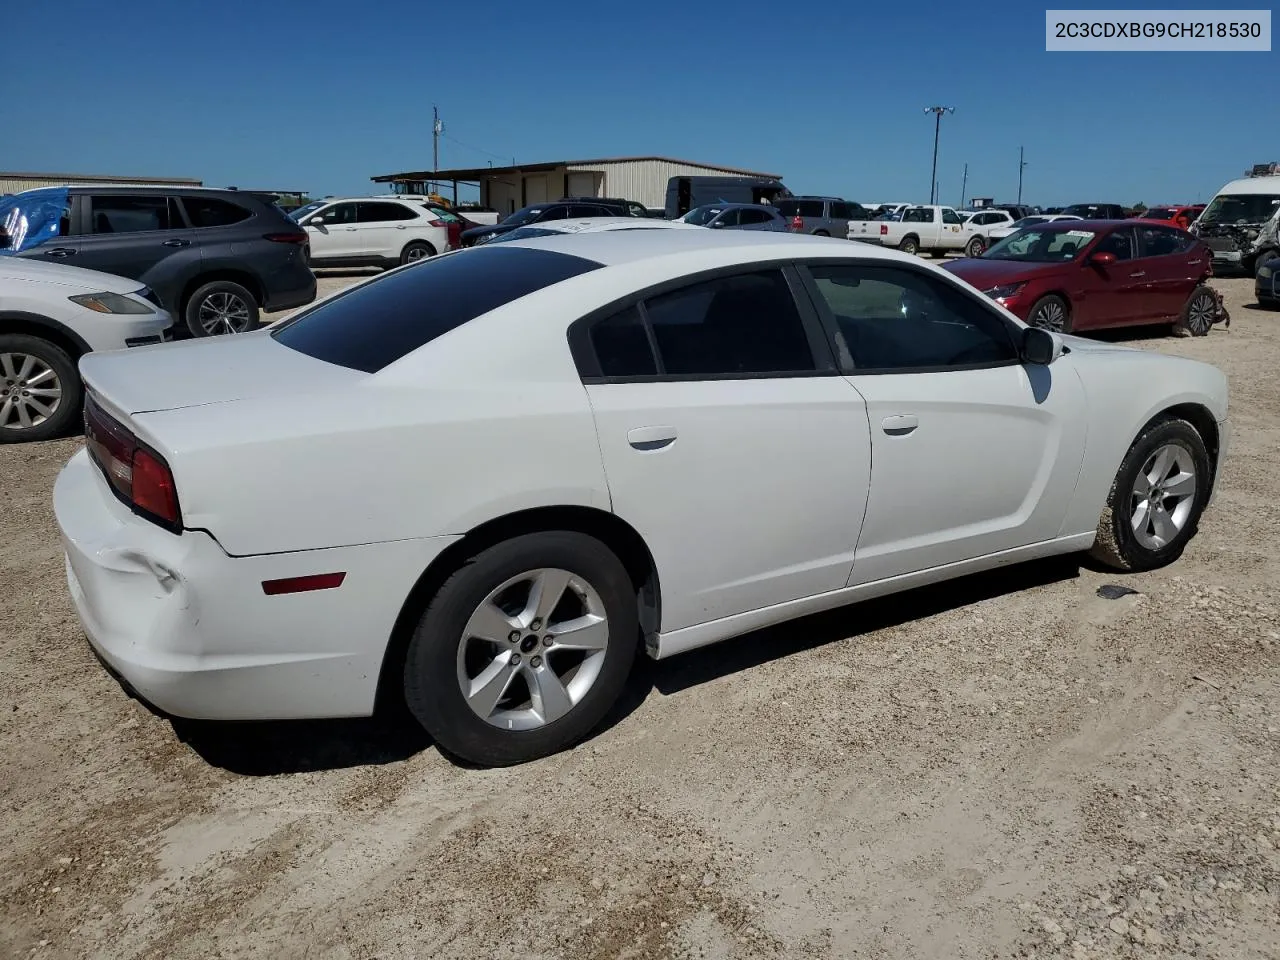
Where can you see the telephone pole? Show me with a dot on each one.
(436, 129)
(963, 185)
(937, 129)
(1022, 164)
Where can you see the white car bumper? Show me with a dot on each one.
(116, 331)
(191, 630)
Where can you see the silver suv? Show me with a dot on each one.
(822, 216)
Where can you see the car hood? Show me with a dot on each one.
(91, 281)
(484, 231)
(172, 376)
(985, 274)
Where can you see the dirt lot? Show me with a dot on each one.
(1007, 766)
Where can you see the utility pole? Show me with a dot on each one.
(937, 129)
(437, 128)
(1022, 164)
(963, 185)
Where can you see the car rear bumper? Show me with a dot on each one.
(192, 631)
(1267, 289)
(291, 285)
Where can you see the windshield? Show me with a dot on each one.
(1241, 208)
(1041, 246)
(527, 215)
(1090, 211)
(1028, 221)
(1159, 213)
(524, 233)
(701, 216)
(297, 216)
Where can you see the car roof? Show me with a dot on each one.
(1096, 226)
(616, 247)
(1269, 184)
(587, 224)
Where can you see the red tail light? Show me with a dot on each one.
(884, 229)
(137, 474)
(298, 238)
(797, 223)
(438, 223)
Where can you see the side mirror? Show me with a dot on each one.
(717, 224)
(316, 221)
(1041, 346)
(1103, 259)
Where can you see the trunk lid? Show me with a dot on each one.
(171, 376)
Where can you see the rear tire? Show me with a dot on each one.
(1197, 314)
(415, 251)
(41, 395)
(1169, 451)
(1051, 312)
(821, 233)
(219, 308)
(544, 694)
(909, 245)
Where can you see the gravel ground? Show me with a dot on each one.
(1005, 766)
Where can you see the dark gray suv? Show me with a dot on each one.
(215, 258)
(822, 216)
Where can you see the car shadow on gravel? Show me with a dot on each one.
(272, 748)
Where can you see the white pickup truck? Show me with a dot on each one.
(933, 228)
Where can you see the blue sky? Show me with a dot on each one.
(321, 95)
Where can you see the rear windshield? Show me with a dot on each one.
(376, 324)
(800, 208)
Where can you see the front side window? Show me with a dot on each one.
(730, 326)
(950, 216)
(297, 216)
(383, 213)
(375, 324)
(338, 215)
(894, 319)
(132, 213)
(729, 218)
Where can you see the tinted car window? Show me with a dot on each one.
(212, 212)
(730, 326)
(897, 319)
(753, 216)
(339, 213)
(383, 213)
(621, 346)
(1162, 242)
(377, 323)
(918, 215)
(802, 208)
(950, 216)
(133, 214)
(1119, 243)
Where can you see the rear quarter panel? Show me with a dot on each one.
(1124, 390)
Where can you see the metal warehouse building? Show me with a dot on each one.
(17, 182)
(643, 179)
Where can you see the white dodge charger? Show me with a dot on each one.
(480, 483)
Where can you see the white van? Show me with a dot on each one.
(1240, 223)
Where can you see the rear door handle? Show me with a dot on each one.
(651, 438)
(1193, 263)
(1140, 273)
(177, 242)
(62, 252)
(899, 426)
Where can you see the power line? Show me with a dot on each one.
(488, 153)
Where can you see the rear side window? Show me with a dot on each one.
(745, 324)
(378, 323)
(212, 212)
(621, 345)
(800, 208)
(383, 213)
(133, 213)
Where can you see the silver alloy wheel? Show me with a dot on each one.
(1050, 316)
(30, 391)
(414, 254)
(533, 649)
(1164, 493)
(223, 313)
(1200, 313)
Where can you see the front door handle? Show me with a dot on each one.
(651, 438)
(1135, 276)
(62, 252)
(177, 242)
(899, 426)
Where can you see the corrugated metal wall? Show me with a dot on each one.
(646, 180)
(13, 185)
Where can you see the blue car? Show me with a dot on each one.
(1266, 286)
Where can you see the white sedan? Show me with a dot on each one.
(481, 483)
(999, 233)
(50, 316)
(550, 228)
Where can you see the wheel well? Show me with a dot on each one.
(613, 532)
(1205, 424)
(246, 280)
(1066, 301)
(909, 236)
(45, 329)
(426, 243)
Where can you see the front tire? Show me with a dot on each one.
(524, 649)
(976, 248)
(1051, 312)
(40, 390)
(1156, 499)
(219, 308)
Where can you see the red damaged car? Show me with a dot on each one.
(1077, 275)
